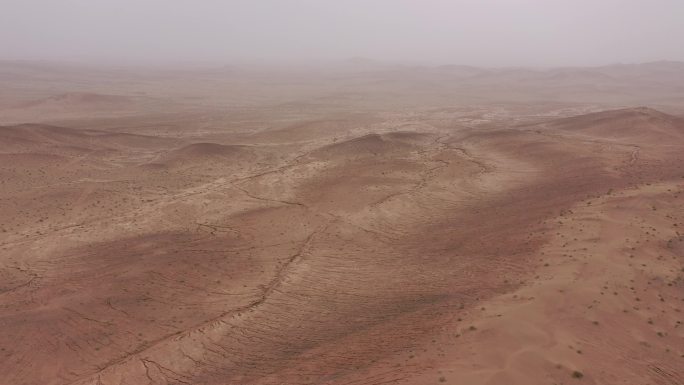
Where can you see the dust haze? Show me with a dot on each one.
(492, 33)
(318, 192)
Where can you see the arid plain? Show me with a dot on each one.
(362, 224)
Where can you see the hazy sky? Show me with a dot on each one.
(482, 32)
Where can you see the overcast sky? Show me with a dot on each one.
(474, 32)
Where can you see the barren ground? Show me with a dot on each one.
(364, 228)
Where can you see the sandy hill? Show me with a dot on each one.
(70, 105)
(371, 145)
(78, 100)
(198, 154)
(644, 124)
(667, 73)
(305, 131)
(576, 76)
(463, 70)
(408, 136)
(29, 137)
(24, 137)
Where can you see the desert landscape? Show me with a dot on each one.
(360, 224)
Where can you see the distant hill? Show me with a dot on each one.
(641, 123)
